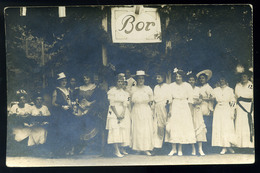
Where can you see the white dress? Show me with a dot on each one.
(206, 106)
(142, 119)
(198, 121)
(241, 124)
(38, 133)
(161, 96)
(21, 132)
(179, 128)
(118, 131)
(223, 132)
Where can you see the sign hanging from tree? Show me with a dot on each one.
(132, 25)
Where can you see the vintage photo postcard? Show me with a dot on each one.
(118, 85)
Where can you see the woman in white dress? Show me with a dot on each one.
(179, 128)
(223, 132)
(244, 126)
(161, 99)
(141, 115)
(198, 121)
(40, 113)
(18, 124)
(118, 118)
(206, 92)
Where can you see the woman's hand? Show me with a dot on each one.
(66, 107)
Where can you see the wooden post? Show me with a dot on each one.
(43, 60)
(168, 45)
(104, 49)
(26, 47)
(42, 64)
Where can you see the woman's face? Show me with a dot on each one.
(72, 81)
(96, 79)
(159, 79)
(222, 81)
(39, 101)
(22, 100)
(202, 79)
(120, 83)
(178, 79)
(63, 82)
(86, 79)
(140, 80)
(244, 78)
(192, 81)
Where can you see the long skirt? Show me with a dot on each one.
(118, 131)
(142, 127)
(223, 133)
(199, 125)
(21, 133)
(160, 118)
(179, 128)
(242, 127)
(37, 136)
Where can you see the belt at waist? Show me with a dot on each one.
(223, 103)
(180, 99)
(243, 99)
(160, 101)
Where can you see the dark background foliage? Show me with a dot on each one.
(202, 37)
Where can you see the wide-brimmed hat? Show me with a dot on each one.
(207, 72)
(61, 76)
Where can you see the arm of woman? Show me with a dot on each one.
(150, 94)
(116, 113)
(54, 98)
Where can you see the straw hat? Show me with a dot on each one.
(140, 73)
(61, 76)
(207, 72)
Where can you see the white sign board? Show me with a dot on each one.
(129, 27)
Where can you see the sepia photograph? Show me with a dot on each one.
(129, 85)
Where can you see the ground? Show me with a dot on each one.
(95, 160)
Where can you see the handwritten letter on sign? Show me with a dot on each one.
(128, 27)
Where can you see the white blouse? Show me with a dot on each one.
(43, 111)
(245, 91)
(161, 93)
(183, 91)
(224, 95)
(15, 109)
(118, 96)
(141, 95)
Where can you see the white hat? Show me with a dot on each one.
(61, 76)
(140, 73)
(207, 72)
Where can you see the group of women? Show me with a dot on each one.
(143, 119)
(139, 117)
